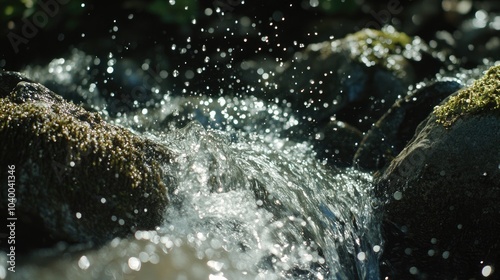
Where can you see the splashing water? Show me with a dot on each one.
(245, 207)
(247, 203)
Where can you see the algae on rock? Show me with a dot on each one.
(82, 178)
(444, 186)
(482, 96)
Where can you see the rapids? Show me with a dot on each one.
(247, 204)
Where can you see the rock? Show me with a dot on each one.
(440, 194)
(356, 78)
(397, 126)
(78, 178)
(8, 80)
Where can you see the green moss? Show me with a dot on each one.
(81, 159)
(482, 96)
(112, 146)
(384, 47)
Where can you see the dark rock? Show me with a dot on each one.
(78, 178)
(441, 192)
(9, 80)
(392, 132)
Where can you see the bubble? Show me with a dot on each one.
(376, 248)
(78, 215)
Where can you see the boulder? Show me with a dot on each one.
(356, 78)
(77, 178)
(441, 194)
(390, 134)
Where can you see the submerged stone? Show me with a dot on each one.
(78, 178)
(441, 192)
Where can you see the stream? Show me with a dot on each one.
(248, 204)
(250, 108)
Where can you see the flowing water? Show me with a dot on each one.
(245, 203)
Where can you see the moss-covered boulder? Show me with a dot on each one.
(77, 178)
(356, 78)
(441, 193)
(390, 134)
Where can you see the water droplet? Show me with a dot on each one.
(175, 73)
(487, 271)
(361, 256)
(446, 255)
(408, 251)
(134, 263)
(78, 215)
(413, 270)
(83, 263)
(398, 195)
(217, 266)
(218, 276)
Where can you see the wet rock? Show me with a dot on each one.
(78, 178)
(356, 78)
(397, 126)
(441, 192)
(9, 80)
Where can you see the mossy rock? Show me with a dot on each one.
(356, 78)
(481, 97)
(390, 134)
(78, 178)
(440, 194)
(386, 48)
